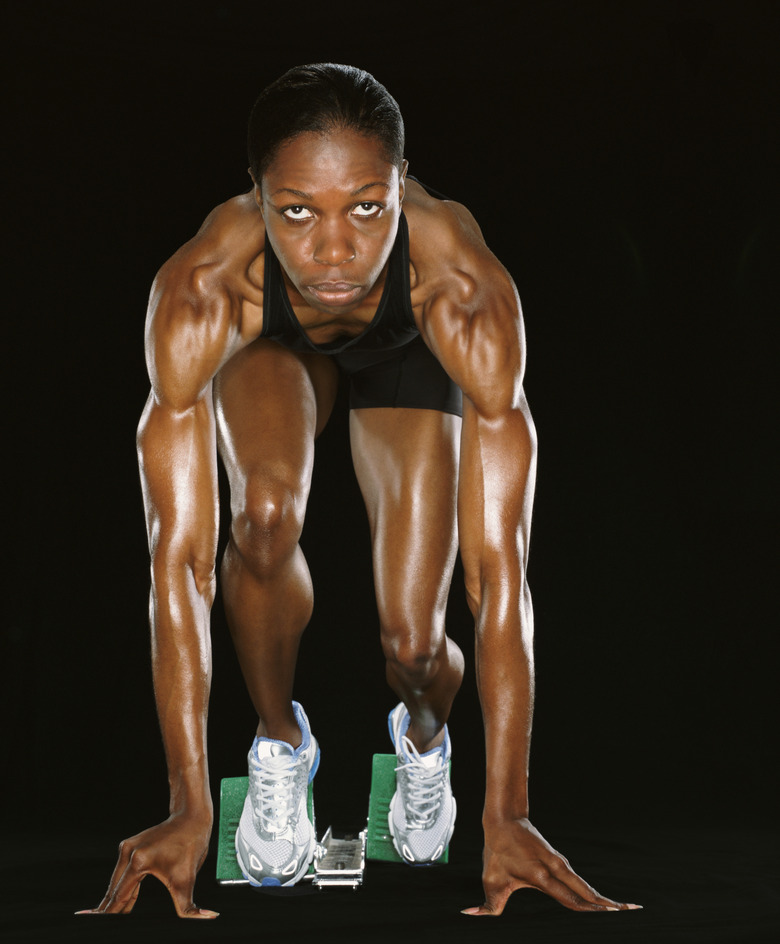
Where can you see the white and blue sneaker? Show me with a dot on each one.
(422, 810)
(275, 839)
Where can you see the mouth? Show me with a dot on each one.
(335, 293)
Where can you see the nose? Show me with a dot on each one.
(334, 246)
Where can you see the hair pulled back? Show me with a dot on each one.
(321, 98)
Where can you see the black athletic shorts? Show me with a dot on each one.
(409, 376)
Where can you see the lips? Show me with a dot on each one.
(335, 293)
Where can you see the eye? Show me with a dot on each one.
(368, 209)
(297, 213)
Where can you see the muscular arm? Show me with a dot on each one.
(189, 335)
(495, 496)
(474, 326)
(176, 449)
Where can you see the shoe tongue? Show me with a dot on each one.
(431, 759)
(269, 748)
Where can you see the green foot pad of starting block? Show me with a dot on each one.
(231, 802)
(379, 842)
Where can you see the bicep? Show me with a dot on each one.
(190, 333)
(473, 324)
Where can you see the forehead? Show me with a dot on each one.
(338, 160)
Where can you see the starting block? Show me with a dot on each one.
(379, 842)
(338, 861)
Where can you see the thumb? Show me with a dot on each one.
(192, 911)
(185, 907)
(495, 899)
(493, 906)
(479, 910)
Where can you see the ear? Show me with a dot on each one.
(256, 190)
(402, 181)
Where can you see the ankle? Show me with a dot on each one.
(426, 739)
(280, 730)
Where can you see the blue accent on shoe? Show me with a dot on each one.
(305, 740)
(442, 747)
(315, 766)
(270, 881)
(390, 726)
(300, 718)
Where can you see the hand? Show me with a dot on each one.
(172, 852)
(518, 856)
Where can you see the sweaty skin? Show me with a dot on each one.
(330, 204)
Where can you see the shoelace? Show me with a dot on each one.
(424, 786)
(273, 792)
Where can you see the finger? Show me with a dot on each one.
(563, 872)
(569, 898)
(133, 897)
(125, 892)
(125, 851)
(569, 877)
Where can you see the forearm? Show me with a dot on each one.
(505, 678)
(177, 458)
(181, 667)
(498, 465)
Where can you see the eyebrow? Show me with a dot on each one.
(355, 193)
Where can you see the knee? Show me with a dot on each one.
(416, 656)
(267, 522)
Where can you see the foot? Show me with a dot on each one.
(422, 810)
(275, 840)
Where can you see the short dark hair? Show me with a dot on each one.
(322, 97)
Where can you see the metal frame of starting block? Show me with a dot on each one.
(339, 861)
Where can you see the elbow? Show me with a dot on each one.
(144, 434)
(498, 594)
(474, 596)
(177, 568)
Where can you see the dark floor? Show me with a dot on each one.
(695, 884)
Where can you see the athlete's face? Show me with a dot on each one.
(331, 205)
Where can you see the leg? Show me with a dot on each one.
(271, 404)
(406, 462)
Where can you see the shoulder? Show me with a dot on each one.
(468, 307)
(229, 239)
(440, 231)
(201, 296)
(451, 260)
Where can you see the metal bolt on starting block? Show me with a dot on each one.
(339, 862)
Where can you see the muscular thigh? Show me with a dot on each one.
(406, 462)
(271, 404)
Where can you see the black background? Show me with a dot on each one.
(621, 159)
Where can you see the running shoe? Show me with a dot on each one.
(422, 810)
(275, 839)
